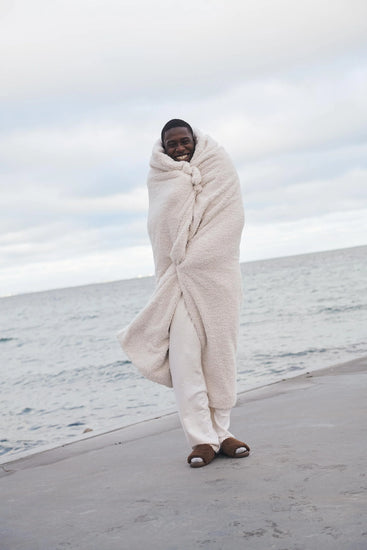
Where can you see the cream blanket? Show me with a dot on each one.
(195, 223)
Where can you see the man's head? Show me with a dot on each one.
(178, 140)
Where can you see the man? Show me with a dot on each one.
(178, 141)
(186, 337)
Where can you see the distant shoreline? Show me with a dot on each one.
(331, 250)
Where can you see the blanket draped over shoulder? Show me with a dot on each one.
(195, 223)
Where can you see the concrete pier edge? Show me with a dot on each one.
(304, 485)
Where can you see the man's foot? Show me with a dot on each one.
(234, 448)
(201, 455)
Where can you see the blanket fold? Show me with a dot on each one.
(195, 223)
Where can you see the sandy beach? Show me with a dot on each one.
(303, 487)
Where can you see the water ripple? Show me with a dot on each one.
(60, 351)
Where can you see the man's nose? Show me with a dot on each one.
(180, 147)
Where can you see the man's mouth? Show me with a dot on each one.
(182, 157)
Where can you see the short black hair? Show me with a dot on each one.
(175, 123)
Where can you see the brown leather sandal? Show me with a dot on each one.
(230, 445)
(203, 451)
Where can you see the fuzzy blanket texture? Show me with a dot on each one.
(195, 223)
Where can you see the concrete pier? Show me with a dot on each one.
(303, 487)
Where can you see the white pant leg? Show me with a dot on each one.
(188, 380)
(221, 419)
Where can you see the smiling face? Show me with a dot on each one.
(179, 143)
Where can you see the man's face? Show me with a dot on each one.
(179, 143)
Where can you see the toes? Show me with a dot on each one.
(196, 460)
(240, 450)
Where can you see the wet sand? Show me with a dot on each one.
(304, 486)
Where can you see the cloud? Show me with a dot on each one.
(49, 201)
(138, 48)
(66, 154)
(309, 199)
(255, 120)
(130, 262)
(87, 85)
(274, 116)
(332, 231)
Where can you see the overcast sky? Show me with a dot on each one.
(86, 86)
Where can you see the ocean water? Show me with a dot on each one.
(63, 371)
